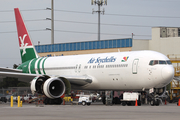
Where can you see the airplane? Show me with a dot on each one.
(123, 71)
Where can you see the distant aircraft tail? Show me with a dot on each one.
(27, 49)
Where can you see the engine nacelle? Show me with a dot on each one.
(51, 87)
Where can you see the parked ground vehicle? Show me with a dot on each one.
(85, 99)
(130, 98)
(27, 97)
(8, 97)
(3, 98)
(22, 97)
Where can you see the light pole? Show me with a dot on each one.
(99, 3)
(52, 21)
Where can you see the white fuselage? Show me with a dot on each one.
(114, 71)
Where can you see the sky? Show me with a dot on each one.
(74, 22)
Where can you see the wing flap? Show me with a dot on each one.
(78, 80)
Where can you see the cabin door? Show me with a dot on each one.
(135, 66)
(78, 68)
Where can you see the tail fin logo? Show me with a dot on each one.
(23, 45)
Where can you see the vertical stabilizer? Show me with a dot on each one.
(27, 49)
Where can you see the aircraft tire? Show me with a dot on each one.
(157, 102)
(139, 103)
(152, 102)
(123, 103)
(116, 100)
(104, 100)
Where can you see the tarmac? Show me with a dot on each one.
(96, 111)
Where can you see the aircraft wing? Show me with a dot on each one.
(74, 80)
(10, 70)
(21, 76)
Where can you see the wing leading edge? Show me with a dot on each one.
(74, 80)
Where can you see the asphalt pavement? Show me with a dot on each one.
(96, 111)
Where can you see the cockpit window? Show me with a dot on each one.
(169, 62)
(161, 62)
(156, 62)
(153, 62)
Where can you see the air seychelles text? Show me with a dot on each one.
(102, 60)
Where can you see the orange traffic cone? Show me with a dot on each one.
(165, 103)
(179, 103)
(136, 104)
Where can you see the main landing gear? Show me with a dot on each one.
(56, 101)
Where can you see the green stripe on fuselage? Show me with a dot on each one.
(32, 66)
(43, 66)
(38, 66)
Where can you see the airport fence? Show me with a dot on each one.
(15, 91)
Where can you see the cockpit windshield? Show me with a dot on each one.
(162, 62)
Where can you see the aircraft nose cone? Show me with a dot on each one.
(167, 73)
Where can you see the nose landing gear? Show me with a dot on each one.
(156, 96)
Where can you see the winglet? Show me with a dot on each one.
(27, 49)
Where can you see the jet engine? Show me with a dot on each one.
(52, 87)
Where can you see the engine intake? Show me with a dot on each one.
(54, 88)
(49, 86)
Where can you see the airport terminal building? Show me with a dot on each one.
(165, 40)
(88, 47)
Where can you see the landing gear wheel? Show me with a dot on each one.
(157, 102)
(56, 101)
(104, 100)
(123, 103)
(116, 100)
(83, 103)
(139, 103)
(152, 102)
